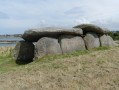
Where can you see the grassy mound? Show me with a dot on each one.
(96, 69)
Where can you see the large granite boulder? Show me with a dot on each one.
(47, 46)
(71, 43)
(106, 40)
(34, 35)
(23, 52)
(91, 28)
(91, 40)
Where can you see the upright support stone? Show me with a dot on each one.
(106, 41)
(47, 46)
(91, 40)
(71, 43)
(23, 52)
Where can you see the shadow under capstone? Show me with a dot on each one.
(22, 62)
(24, 52)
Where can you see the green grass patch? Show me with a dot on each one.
(50, 58)
(7, 63)
(100, 48)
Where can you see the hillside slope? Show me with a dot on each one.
(97, 70)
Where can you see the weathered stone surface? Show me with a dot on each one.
(106, 40)
(71, 43)
(23, 52)
(106, 30)
(91, 40)
(35, 34)
(47, 46)
(91, 28)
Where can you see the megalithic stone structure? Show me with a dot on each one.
(52, 41)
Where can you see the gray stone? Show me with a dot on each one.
(91, 28)
(106, 30)
(106, 40)
(71, 43)
(91, 40)
(47, 46)
(34, 35)
(23, 52)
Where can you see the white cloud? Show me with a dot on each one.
(40, 13)
(98, 11)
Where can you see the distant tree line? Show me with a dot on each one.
(114, 35)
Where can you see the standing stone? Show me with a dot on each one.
(106, 40)
(47, 46)
(23, 52)
(71, 43)
(91, 40)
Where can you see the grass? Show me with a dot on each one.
(68, 55)
(95, 69)
(6, 60)
(7, 63)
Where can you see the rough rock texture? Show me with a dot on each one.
(34, 35)
(71, 43)
(47, 46)
(91, 28)
(91, 40)
(106, 41)
(23, 52)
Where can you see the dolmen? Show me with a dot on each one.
(52, 41)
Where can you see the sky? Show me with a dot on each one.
(16, 16)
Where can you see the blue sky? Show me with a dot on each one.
(19, 15)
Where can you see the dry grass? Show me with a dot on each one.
(5, 50)
(6, 61)
(98, 70)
